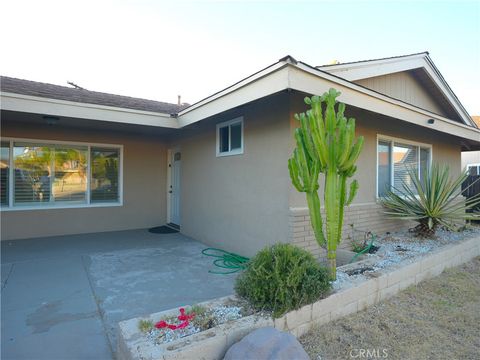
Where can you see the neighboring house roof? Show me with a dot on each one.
(476, 119)
(420, 64)
(33, 88)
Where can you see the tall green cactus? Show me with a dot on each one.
(326, 144)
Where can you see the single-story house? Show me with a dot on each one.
(77, 161)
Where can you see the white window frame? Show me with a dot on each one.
(392, 140)
(229, 123)
(475, 165)
(43, 206)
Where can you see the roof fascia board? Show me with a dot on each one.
(262, 73)
(261, 85)
(48, 106)
(371, 68)
(306, 79)
(439, 80)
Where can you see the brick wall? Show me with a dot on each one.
(363, 217)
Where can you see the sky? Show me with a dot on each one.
(160, 49)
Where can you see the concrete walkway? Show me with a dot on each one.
(63, 296)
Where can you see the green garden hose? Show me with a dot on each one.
(367, 249)
(226, 260)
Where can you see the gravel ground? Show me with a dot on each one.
(218, 315)
(403, 247)
(437, 319)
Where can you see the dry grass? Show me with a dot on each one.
(437, 319)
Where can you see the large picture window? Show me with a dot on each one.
(37, 174)
(395, 158)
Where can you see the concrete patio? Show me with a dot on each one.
(63, 296)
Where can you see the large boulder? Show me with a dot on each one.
(267, 344)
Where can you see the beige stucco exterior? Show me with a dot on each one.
(240, 202)
(243, 202)
(144, 187)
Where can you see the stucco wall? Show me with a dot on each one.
(238, 203)
(144, 188)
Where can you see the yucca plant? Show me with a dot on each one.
(432, 201)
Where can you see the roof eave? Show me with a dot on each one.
(42, 105)
(295, 75)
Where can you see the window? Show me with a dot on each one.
(395, 158)
(58, 175)
(473, 169)
(230, 137)
(104, 174)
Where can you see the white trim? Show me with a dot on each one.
(229, 123)
(370, 68)
(392, 140)
(60, 142)
(64, 108)
(251, 79)
(10, 174)
(403, 141)
(60, 205)
(304, 78)
(267, 82)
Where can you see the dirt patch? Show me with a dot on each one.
(437, 319)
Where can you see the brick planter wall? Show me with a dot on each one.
(364, 217)
(386, 284)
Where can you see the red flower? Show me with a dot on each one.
(161, 324)
(182, 317)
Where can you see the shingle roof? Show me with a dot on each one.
(33, 88)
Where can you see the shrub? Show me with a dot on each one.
(432, 201)
(282, 278)
(145, 325)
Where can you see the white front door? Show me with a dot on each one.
(175, 163)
